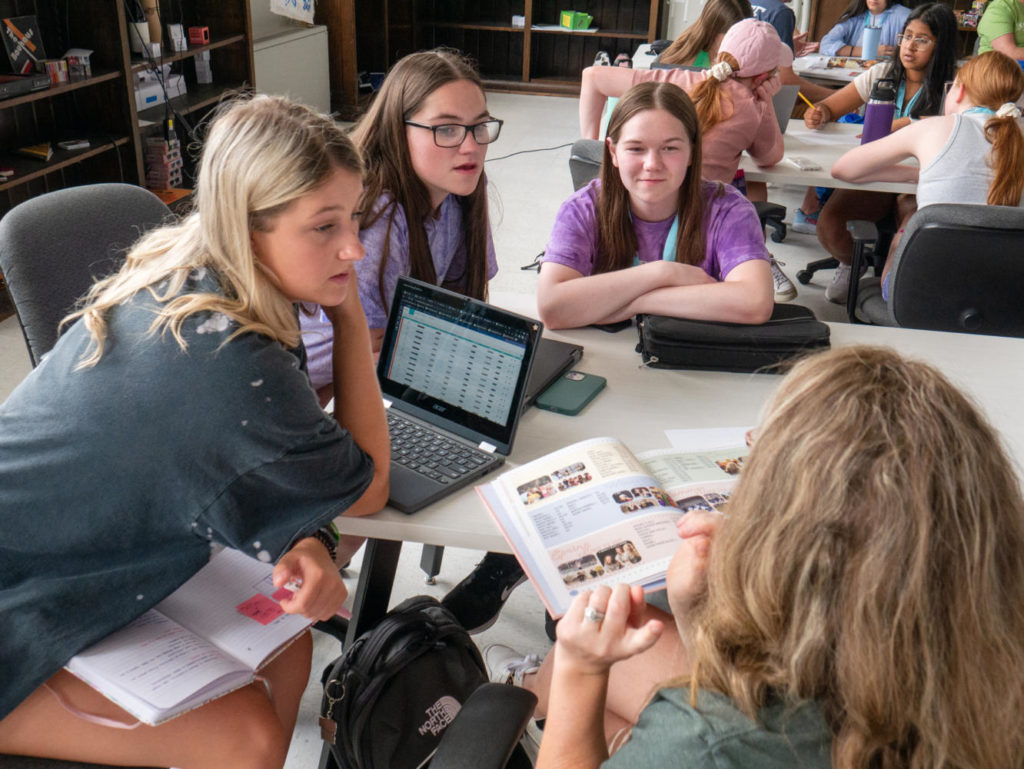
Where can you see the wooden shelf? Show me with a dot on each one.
(140, 65)
(57, 90)
(27, 169)
(197, 98)
(482, 26)
(102, 107)
(615, 33)
(510, 58)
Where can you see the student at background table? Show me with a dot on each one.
(697, 45)
(174, 414)
(972, 154)
(1002, 28)
(733, 98)
(650, 235)
(844, 38)
(927, 60)
(858, 606)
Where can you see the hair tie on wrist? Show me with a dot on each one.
(721, 71)
(1008, 110)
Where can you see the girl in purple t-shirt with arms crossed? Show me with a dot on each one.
(651, 236)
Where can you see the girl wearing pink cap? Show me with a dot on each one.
(733, 97)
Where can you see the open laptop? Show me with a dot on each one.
(453, 372)
(783, 102)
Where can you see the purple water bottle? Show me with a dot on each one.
(878, 114)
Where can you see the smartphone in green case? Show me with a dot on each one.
(571, 392)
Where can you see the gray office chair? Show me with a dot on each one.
(54, 246)
(956, 268)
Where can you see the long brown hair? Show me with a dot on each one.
(380, 136)
(617, 241)
(715, 18)
(992, 79)
(872, 560)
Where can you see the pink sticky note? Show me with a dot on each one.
(260, 608)
(282, 593)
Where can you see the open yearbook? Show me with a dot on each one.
(594, 513)
(206, 639)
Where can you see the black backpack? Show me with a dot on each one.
(390, 696)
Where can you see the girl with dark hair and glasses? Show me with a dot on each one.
(926, 60)
(424, 208)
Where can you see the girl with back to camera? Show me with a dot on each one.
(697, 45)
(733, 98)
(649, 235)
(424, 140)
(859, 605)
(973, 154)
(174, 414)
(926, 61)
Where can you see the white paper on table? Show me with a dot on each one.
(707, 439)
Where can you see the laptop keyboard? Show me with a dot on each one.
(430, 453)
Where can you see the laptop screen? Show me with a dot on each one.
(457, 362)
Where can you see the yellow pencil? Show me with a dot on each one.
(806, 100)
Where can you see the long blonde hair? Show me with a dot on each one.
(872, 560)
(260, 155)
(992, 79)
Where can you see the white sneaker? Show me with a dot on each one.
(507, 666)
(784, 288)
(840, 285)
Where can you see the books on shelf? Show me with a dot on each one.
(41, 152)
(205, 640)
(594, 513)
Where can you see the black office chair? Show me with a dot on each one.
(54, 246)
(957, 268)
(585, 162)
(884, 231)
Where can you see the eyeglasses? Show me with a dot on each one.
(915, 42)
(452, 135)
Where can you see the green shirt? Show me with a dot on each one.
(715, 734)
(1001, 17)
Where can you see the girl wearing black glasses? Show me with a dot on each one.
(424, 209)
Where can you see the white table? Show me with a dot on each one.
(640, 403)
(823, 146)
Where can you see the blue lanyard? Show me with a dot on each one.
(668, 253)
(901, 94)
(979, 111)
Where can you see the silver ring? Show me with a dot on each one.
(592, 614)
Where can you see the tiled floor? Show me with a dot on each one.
(526, 190)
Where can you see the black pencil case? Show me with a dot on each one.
(667, 342)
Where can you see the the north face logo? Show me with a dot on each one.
(440, 714)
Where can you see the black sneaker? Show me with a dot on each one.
(477, 600)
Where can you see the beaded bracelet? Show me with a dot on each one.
(329, 536)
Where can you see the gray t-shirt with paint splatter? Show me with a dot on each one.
(115, 479)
